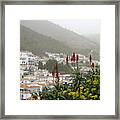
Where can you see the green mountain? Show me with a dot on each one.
(94, 38)
(67, 38)
(38, 43)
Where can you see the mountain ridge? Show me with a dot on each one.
(38, 43)
(72, 40)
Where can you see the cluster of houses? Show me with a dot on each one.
(33, 80)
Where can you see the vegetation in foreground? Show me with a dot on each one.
(83, 86)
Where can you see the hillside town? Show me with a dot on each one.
(35, 75)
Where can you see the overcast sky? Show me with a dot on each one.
(80, 26)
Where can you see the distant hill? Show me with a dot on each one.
(93, 37)
(38, 43)
(68, 39)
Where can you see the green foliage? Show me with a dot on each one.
(50, 65)
(83, 87)
(64, 68)
(40, 65)
(61, 67)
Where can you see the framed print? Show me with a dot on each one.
(60, 60)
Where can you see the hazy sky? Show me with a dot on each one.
(80, 26)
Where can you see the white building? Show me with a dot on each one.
(27, 58)
(25, 95)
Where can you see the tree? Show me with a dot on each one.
(65, 68)
(40, 65)
(50, 65)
